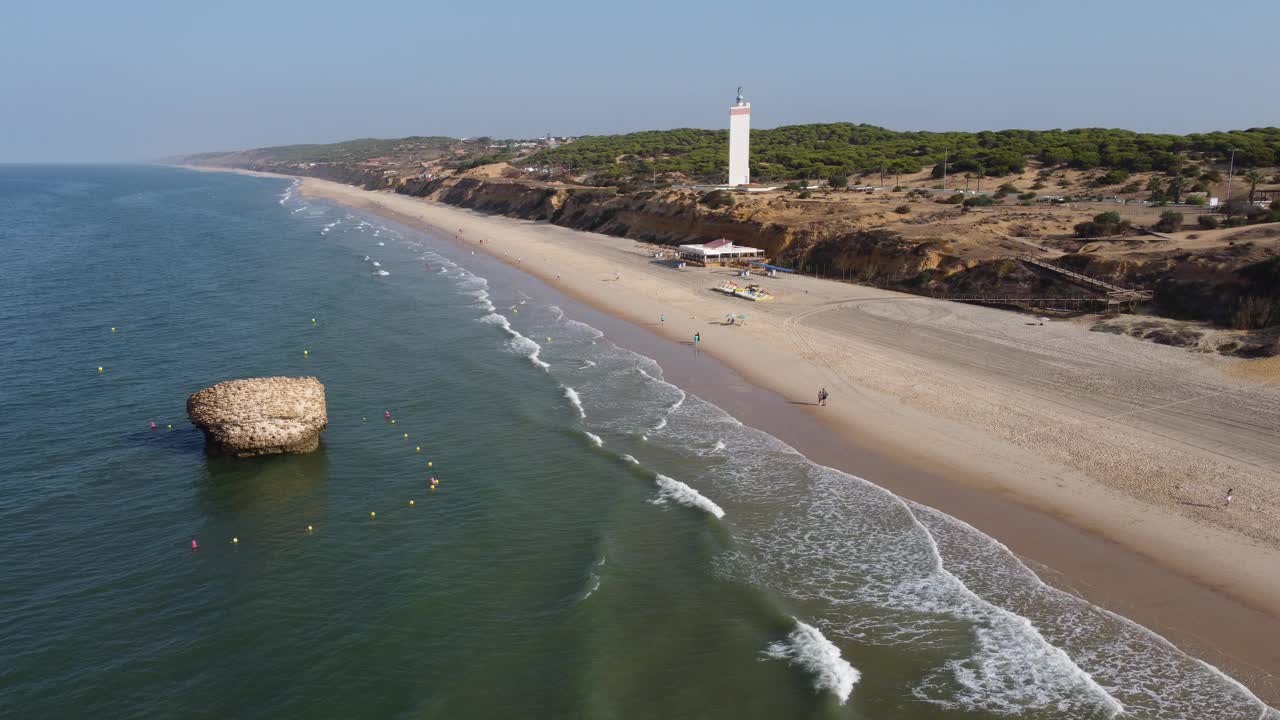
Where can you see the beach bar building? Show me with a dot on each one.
(719, 252)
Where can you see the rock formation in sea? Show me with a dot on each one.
(261, 416)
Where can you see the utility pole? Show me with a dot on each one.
(1231, 169)
(944, 168)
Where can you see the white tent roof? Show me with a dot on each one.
(718, 247)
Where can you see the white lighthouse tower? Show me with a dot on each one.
(739, 141)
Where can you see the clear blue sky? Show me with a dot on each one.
(140, 79)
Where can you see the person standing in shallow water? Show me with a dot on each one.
(822, 397)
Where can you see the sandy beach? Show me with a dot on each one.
(1102, 460)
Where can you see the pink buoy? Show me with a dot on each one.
(195, 545)
(153, 426)
(388, 414)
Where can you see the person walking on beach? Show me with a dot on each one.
(1227, 505)
(662, 317)
(696, 339)
(822, 397)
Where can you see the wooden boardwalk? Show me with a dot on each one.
(1115, 294)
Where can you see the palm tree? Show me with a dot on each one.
(1254, 176)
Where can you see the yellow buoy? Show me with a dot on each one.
(417, 449)
(305, 353)
(373, 515)
(235, 541)
(313, 321)
(548, 339)
(410, 503)
(406, 436)
(170, 427)
(428, 463)
(393, 422)
(433, 488)
(113, 329)
(309, 528)
(99, 368)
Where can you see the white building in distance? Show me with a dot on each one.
(739, 141)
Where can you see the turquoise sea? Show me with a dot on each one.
(602, 544)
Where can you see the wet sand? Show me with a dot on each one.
(1209, 588)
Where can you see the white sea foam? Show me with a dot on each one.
(499, 320)
(662, 422)
(595, 439)
(574, 400)
(594, 581)
(482, 299)
(381, 244)
(518, 342)
(718, 446)
(1112, 654)
(1005, 641)
(574, 324)
(809, 650)
(382, 273)
(670, 489)
(287, 195)
(377, 264)
(529, 349)
(676, 405)
(630, 459)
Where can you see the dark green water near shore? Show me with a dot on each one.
(601, 543)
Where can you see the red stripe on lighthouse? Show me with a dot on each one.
(739, 111)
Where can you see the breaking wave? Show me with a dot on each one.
(809, 650)
(574, 400)
(672, 490)
(518, 342)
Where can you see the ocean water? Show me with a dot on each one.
(601, 544)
